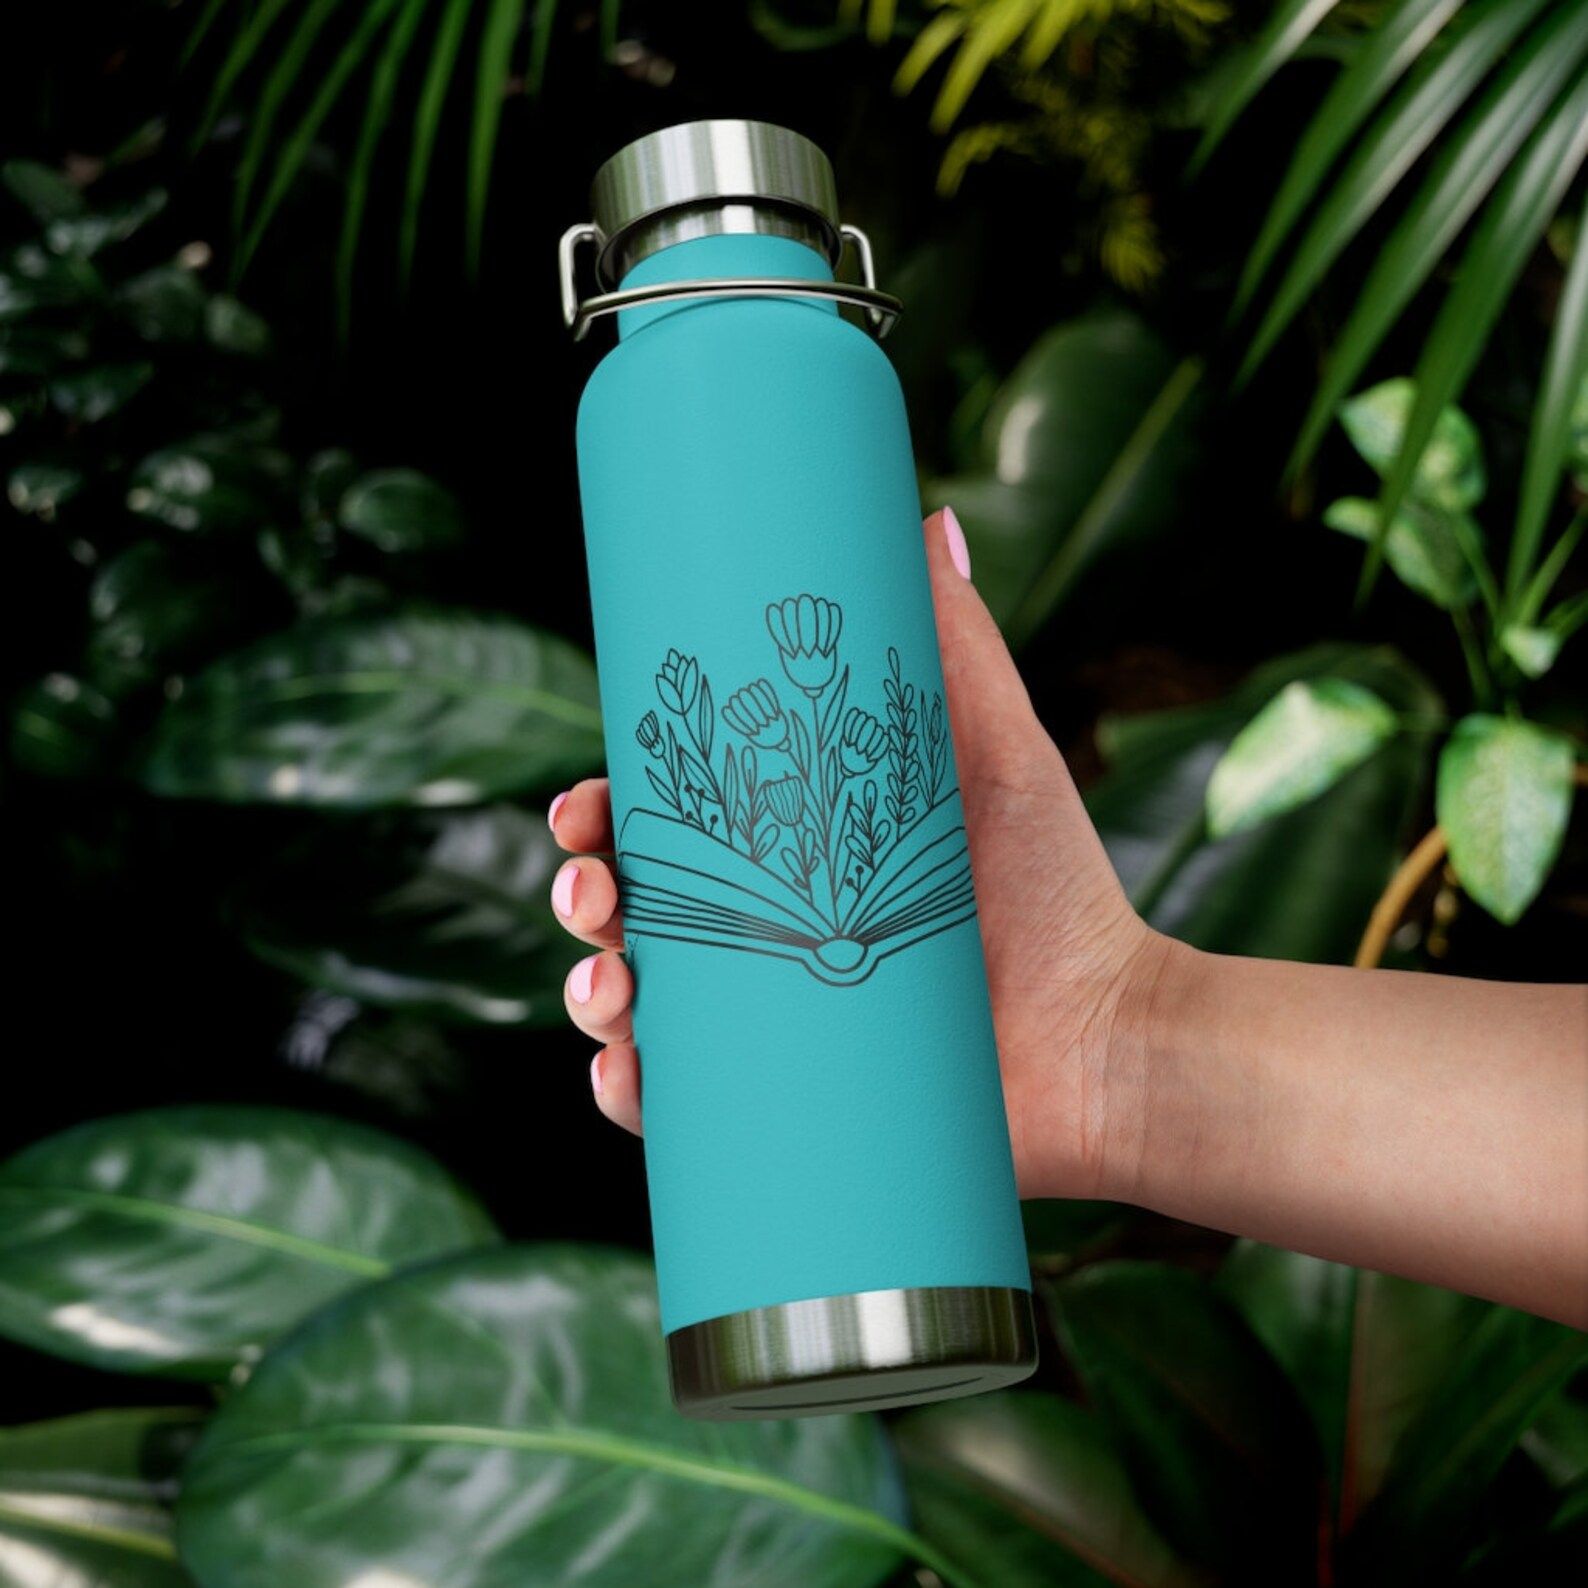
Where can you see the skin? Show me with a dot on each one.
(1420, 1125)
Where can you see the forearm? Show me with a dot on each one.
(1423, 1125)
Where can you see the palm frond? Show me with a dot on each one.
(502, 20)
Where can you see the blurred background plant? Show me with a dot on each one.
(285, 430)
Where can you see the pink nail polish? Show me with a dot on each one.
(958, 551)
(556, 805)
(562, 890)
(581, 980)
(595, 1073)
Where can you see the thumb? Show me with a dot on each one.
(995, 728)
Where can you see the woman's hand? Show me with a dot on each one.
(1068, 960)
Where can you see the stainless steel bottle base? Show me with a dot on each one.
(863, 1352)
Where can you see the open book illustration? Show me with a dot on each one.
(816, 831)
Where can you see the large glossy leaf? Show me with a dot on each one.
(182, 1240)
(1470, 161)
(85, 1501)
(1302, 742)
(1503, 798)
(504, 1418)
(1423, 1518)
(1423, 546)
(1449, 472)
(1084, 451)
(150, 608)
(60, 727)
(401, 510)
(420, 707)
(1238, 894)
(209, 483)
(1217, 1443)
(1367, 1352)
(445, 915)
(1024, 1490)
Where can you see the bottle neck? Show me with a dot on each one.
(688, 222)
(716, 257)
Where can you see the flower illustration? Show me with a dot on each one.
(805, 629)
(755, 712)
(862, 743)
(649, 733)
(785, 797)
(678, 682)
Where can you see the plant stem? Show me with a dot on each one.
(1477, 671)
(1412, 872)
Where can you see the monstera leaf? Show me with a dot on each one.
(504, 1418)
(406, 708)
(1085, 450)
(182, 1240)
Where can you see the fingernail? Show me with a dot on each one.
(581, 980)
(958, 551)
(556, 805)
(595, 1073)
(562, 890)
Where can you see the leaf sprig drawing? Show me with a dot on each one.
(817, 792)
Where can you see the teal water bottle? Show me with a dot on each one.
(832, 1194)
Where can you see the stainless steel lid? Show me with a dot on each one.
(697, 175)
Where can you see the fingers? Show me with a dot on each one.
(581, 819)
(584, 898)
(598, 994)
(987, 701)
(615, 1080)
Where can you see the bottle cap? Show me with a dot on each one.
(712, 176)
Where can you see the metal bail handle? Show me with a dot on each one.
(881, 308)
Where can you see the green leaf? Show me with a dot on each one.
(40, 489)
(237, 60)
(1218, 1446)
(60, 727)
(165, 304)
(1425, 1514)
(235, 329)
(44, 193)
(1418, 114)
(1523, 205)
(504, 1418)
(1302, 742)
(152, 610)
(1503, 798)
(377, 113)
(1289, 26)
(85, 235)
(93, 394)
(427, 122)
(34, 279)
(1551, 438)
(445, 916)
(500, 29)
(1367, 1353)
(1557, 1441)
(401, 510)
(1423, 546)
(1085, 451)
(1387, 52)
(1061, 1230)
(1025, 1490)
(1449, 473)
(1532, 649)
(295, 147)
(32, 351)
(181, 1241)
(421, 707)
(208, 484)
(84, 1501)
(1468, 165)
(1237, 895)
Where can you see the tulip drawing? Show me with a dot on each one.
(649, 733)
(678, 682)
(862, 743)
(756, 712)
(805, 630)
(785, 798)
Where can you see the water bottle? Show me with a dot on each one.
(832, 1195)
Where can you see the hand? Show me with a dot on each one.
(1068, 960)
